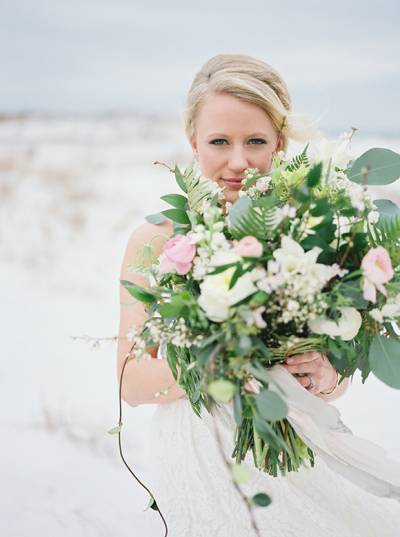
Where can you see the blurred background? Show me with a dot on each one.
(91, 94)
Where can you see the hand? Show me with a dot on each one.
(315, 365)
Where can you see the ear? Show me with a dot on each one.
(194, 148)
(279, 145)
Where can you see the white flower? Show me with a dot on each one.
(292, 257)
(389, 311)
(216, 297)
(262, 184)
(287, 210)
(258, 273)
(356, 194)
(218, 240)
(337, 271)
(373, 217)
(200, 267)
(197, 237)
(224, 257)
(346, 328)
(258, 320)
(337, 150)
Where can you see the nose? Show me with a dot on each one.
(237, 160)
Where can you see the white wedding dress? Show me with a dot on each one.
(352, 491)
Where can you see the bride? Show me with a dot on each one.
(238, 115)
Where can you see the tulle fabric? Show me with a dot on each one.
(193, 488)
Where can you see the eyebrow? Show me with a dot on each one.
(250, 135)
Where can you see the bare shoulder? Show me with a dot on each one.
(147, 234)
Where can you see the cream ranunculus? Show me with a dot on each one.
(346, 328)
(292, 257)
(216, 297)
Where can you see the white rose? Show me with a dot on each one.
(346, 328)
(216, 297)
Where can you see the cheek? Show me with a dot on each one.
(263, 162)
(210, 161)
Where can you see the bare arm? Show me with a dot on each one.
(143, 378)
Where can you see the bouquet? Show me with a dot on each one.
(304, 260)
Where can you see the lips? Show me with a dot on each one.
(233, 182)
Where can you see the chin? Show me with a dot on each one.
(231, 195)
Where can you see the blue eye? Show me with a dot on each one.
(259, 140)
(214, 142)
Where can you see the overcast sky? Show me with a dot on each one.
(340, 59)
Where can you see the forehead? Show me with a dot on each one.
(223, 113)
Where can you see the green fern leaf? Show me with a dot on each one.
(386, 233)
(298, 160)
(256, 219)
(198, 189)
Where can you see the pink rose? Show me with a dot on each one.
(378, 270)
(178, 254)
(248, 247)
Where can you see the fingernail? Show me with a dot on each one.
(289, 360)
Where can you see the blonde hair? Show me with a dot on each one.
(251, 80)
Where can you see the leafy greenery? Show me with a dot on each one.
(140, 293)
(257, 219)
(384, 359)
(299, 160)
(177, 215)
(377, 166)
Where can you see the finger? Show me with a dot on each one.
(304, 381)
(304, 358)
(311, 367)
(314, 390)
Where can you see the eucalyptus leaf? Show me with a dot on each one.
(267, 433)
(238, 408)
(221, 390)
(261, 499)
(203, 354)
(271, 406)
(156, 218)
(387, 209)
(352, 290)
(377, 166)
(384, 360)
